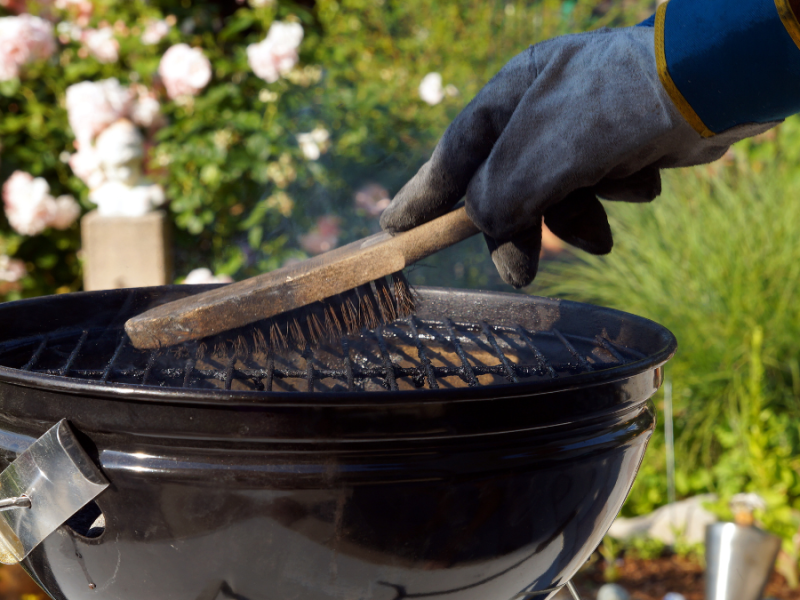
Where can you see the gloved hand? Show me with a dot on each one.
(566, 121)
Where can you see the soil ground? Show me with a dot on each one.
(651, 579)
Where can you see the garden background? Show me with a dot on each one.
(265, 158)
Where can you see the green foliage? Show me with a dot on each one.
(716, 260)
(241, 191)
(610, 549)
(645, 548)
(694, 551)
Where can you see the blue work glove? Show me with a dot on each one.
(567, 121)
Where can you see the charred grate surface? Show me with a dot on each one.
(409, 353)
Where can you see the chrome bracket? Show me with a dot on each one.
(46, 485)
(548, 593)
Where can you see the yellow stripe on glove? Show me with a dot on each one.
(663, 72)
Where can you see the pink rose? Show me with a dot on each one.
(185, 71)
(28, 204)
(68, 32)
(102, 44)
(146, 109)
(23, 39)
(276, 55)
(9, 69)
(372, 198)
(155, 31)
(93, 106)
(324, 237)
(30, 208)
(65, 212)
(81, 9)
(11, 269)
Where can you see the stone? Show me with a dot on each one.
(612, 591)
(121, 252)
(685, 520)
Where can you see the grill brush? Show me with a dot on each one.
(336, 293)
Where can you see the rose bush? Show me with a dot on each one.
(23, 39)
(276, 128)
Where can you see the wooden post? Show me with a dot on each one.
(121, 252)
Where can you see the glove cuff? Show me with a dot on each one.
(727, 63)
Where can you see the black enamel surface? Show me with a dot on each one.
(469, 493)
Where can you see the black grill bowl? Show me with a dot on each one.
(478, 489)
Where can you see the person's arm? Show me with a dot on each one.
(726, 63)
(598, 115)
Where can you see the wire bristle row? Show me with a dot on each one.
(403, 294)
(348, 313)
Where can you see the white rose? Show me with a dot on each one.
(431, 89)
(23, 39)
(66, 212)
(102, 44)
(155, 31)
(146, 111)
(276, 54)
(93, 106)
(11, 269)
(313, 143)
(28, 204)
(185, 71)
(203, 275)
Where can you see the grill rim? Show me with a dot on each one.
(253, 398)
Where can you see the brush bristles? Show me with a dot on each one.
(367, 306)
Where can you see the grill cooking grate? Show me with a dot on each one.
(407, 354)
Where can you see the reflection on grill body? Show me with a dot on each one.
(409, 353)
(472, 487)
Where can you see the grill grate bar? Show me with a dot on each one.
(609, 347)
(229, 370)
(543, 362)
(467, 371)
(309, 370)
(487, 332)
(269, 374)
(388, 365)
(187, 377)
(35, 358)
(422, 353)
(571, 349)
(151, 361)
(348, 366)
(166, 374)
(120, 345)
(74, 354)
(471, 350)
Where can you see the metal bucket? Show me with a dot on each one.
(739, 561)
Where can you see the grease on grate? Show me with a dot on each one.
(405, 355)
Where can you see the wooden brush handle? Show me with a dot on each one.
(294, 286)
(437, 234)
